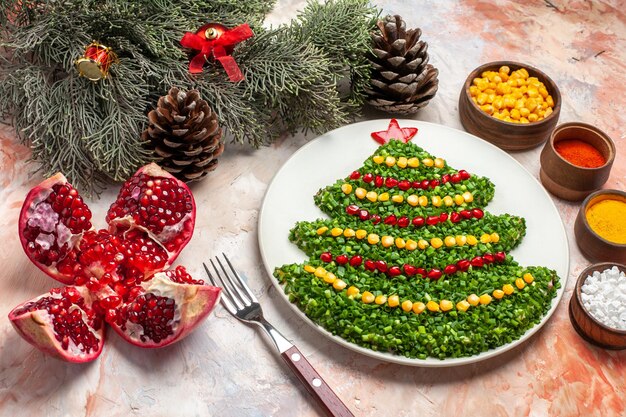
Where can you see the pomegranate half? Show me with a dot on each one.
(118, 275)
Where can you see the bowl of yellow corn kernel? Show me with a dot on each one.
(510, 104)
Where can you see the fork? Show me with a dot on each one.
(239, 301)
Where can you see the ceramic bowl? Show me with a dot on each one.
(592, 245)
(569, 181)
(506, 135)
(587, 326)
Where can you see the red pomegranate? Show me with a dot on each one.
(117, 275)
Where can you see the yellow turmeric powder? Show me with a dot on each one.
(608, 219)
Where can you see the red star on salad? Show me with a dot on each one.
(394, 131)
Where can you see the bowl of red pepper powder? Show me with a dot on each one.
(576, 160)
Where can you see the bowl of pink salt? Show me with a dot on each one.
(576, 160)
(597, 308)
(600, 227)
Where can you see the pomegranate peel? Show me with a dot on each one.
(118, 274)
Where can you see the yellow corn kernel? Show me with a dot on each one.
(460, 240)
(485, 299)
(458, 199)
(473, 90)
(468, 197)
(528, 278)
(462, 305)
(548, 112)
(322, 230)
(497, 103)
(502, 89)
(339, 284)
(481, 98)
(517, 94)
(360, 234)
(422, 244)
(498, 294)
(390, 161)
(482, 84)
(524, 112)
(383, 197)
(520, 103)
(543, 91)
(523, 120)
(372, 196)
(380, 299)
(373, 239)
(422, 200)
(449, 241)
(352, 291)
(485, 238)
(495, 238)
(320, 272)
(498, 115)
(329, 277)
(413, 162)
(346, 188)
(509, 101)
(445, 305)
(393, 301)
(436, 200)
(419, 307)
(407, 305)
(519, 283)
(471, 240)
(531, 105)
(410, 245)
(400, 243)
(448, 201)
(515, 115)
(505, 112)
(336, 231)
(413, 200)
(504, 69)
(533, 117)
(309, 268)
(508, 289)
(378, 159)
(367, 297)
(439, 163)
(349, 232)
(428, 162)
(436, 242)
(487, 108)
(473, 299)
(402, 162)
(386, 241)
(432, 306)
(398, 198)
(360, 193)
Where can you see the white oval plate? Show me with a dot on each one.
(319, 163)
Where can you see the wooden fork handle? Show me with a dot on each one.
(317, 387)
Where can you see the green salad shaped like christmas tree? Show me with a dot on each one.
(410, 263)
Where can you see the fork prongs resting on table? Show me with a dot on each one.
(239, 300)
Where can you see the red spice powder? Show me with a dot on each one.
(580, 153)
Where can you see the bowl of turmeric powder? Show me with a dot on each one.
(576, 160)
(509, 104)
(600, 227)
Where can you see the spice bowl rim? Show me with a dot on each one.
(600, 267)
(588, 126)
(585, 205)
(556, 95)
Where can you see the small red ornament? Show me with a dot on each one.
(215, 41)
(95, 62)
(394, 131)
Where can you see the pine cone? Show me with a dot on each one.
(184, 134)
(402, 81)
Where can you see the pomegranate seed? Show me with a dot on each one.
(433, 183)
(466, 214)
(421, 271)
(356, 260)
(352, 209)
(450, 269)
(376, 219)
(416, 185)
(445, 178)
(369, 265)
(443, 217)
(394, 271)
(364, 214)
(455, 178)
(381, 266)
(464, 174)
(477, 261)
(369, 177)
(326, 257)
(463, 265)
(403, 221)
(455, 217)
(434, 274)
(341, 259)
(410, 270)
(500, 256)
(418, 221)
(477, 213)
(355, 175)
(432, 220)
(488, 258)
(424, 184)
(378, 181)
(391, 182)
(404, 185)
(391, 220)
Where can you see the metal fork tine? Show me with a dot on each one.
(225, 299)
(241, 281)
(228, 285)
(236, 285)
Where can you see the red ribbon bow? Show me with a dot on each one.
(215, 41)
